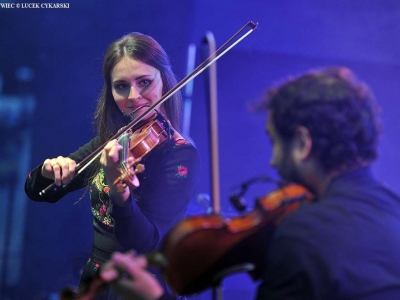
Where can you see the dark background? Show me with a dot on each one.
(60, 52)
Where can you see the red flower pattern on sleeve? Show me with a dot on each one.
(182, 171)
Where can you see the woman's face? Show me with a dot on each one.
(135, 84)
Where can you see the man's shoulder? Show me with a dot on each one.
(316, 220)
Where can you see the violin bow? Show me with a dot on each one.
(214, 57)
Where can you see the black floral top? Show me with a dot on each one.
(167, 185)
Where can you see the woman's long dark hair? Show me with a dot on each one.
(108, 118)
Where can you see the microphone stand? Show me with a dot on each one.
(214, 147)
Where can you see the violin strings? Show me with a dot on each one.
(123, 154)
(81, 166)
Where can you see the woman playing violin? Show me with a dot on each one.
(137, 73)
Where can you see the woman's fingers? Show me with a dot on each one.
(60, 169)
(110, 154)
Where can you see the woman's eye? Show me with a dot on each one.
(120, 86)
(145, 82)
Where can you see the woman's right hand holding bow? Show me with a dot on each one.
(60, 169)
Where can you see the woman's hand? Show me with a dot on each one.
(60, 169)
(109, 159)
(138, 284)
(110, 162)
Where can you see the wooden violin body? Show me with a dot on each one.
(202, 250)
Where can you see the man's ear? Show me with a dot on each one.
(302, 142)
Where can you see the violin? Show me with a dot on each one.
(138, 144)
(199, 251)
(202, 250)
(81, 166)
(127, 177)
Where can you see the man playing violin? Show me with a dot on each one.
(324, 132)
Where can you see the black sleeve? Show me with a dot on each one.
(165, 200)
(35, 182)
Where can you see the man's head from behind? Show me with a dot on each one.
(337, 112)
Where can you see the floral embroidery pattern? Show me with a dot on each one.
(182, 171)
(101, 201)
(98, 181)
(100, 212)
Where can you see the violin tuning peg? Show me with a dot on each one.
(139, 168)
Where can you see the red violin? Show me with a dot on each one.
(202, 250)
(198, 252)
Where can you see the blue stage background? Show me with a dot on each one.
(55, 56)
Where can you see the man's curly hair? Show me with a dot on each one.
(338, 110)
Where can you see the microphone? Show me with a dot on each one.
(237, 199)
